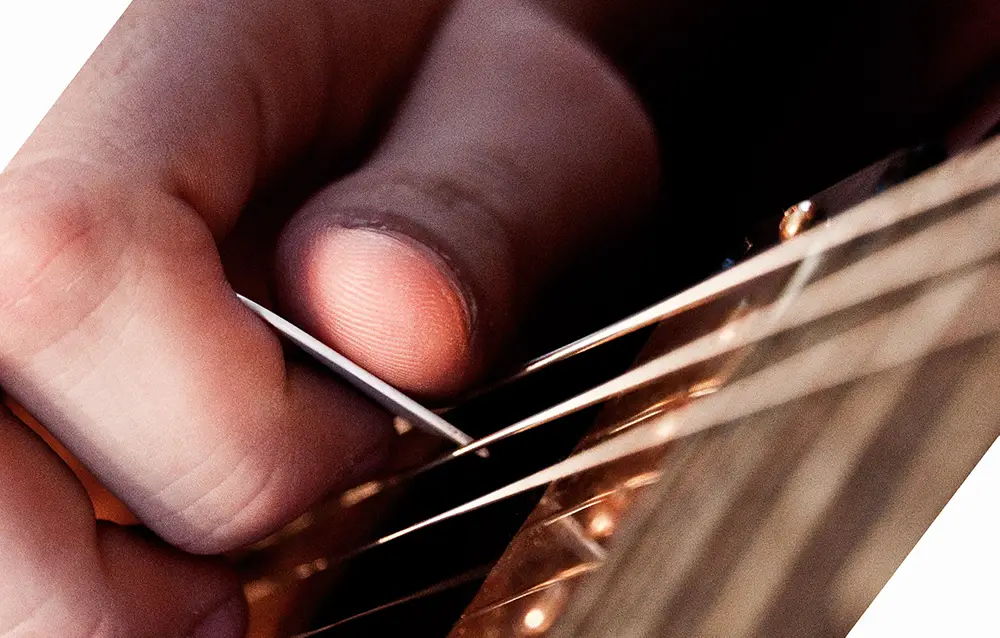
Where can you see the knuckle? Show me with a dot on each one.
(54, 241)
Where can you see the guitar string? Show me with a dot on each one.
(868, 217)
(931, 322)
(437, 588)
(907, 262)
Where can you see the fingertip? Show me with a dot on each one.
(389, 304)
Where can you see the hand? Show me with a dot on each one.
(419, 169)
(504, 144)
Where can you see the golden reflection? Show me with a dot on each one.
(642, 480)
(704, 388)
(362, 492)
(534, 619)
(601, 525)
(401, 425)
(796, 219)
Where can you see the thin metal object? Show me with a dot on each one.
(866, 218)
(367, 383)
(720, 341)
(443, 586)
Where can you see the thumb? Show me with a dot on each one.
(516, 149)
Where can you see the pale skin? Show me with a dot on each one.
(475, 147)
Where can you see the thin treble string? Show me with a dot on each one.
(437, 588)
(907, 262)
(867, 218)
(924, 322)
(718, 342)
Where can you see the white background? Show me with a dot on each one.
(948, 586)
